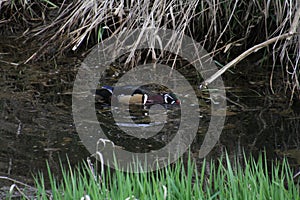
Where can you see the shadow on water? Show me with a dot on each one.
(148, 129)
(35, 114)
(36, 121)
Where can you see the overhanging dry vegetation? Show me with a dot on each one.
(225, 28)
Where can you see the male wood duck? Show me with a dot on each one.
(134, 95)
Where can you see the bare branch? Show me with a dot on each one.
(255, 48)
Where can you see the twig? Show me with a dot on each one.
(255, 48)
(10, 63)
(296, 175)
(21, 183)
(16, 181)
(13, 186)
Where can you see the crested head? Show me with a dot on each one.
(171, 98)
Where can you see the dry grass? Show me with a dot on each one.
(223, 27)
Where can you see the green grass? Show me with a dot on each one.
(221, 179)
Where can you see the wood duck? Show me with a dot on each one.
(133, 95)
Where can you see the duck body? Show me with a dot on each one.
(133, 95)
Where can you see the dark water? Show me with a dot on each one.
(36, 122)
(35, 114)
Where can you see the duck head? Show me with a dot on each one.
(171, 98)
(165, 98)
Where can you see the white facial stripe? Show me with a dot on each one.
(145, 99)
(166, 99)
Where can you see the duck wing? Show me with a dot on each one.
(129, 90)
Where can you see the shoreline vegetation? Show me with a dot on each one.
(225, 178)
(223, 28)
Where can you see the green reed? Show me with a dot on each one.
(219, 179)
